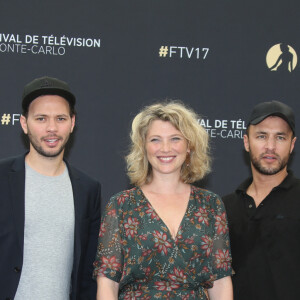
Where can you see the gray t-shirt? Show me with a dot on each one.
(48, 237)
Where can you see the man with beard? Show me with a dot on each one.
(264, 211)
(49, 211)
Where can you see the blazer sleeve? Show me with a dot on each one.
(88, 286)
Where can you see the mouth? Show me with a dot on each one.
(269, 157)
(166, 159)
(52, 142)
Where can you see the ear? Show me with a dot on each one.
(246, 142)
(188, 150)
(293, 144)
(23, 122)
(73, 123)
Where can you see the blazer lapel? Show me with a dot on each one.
(17, 187)
(75, 180)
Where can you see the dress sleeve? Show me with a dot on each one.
(221, 254)
(109, 256)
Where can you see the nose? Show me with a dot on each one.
(271, 143)
(51, 125)
(166, 146)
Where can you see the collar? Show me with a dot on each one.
(285, 184)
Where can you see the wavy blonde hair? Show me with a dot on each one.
(184, 119)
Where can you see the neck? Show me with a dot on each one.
(164, 184)
(49, 166)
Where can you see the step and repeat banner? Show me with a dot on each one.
(219, 57)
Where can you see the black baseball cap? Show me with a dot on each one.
(273, 108)
(46, 86)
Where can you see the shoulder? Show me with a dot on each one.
(295, 182)
(7, 162)
(207, 198)
(82, 176)
(232, 203)
(125, 198)
(126, 194)
(227, 199)
(204, 194)
(12, 163)
(234, 197)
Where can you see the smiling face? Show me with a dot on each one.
(269, 144)
(166, 148)
(48, 125)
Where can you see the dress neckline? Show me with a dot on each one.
(161, 219)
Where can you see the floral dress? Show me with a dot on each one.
(137, 250)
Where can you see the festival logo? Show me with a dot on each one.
(224, 129)
(281, 58)
(43, 44)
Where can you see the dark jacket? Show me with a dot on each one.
(86, 192)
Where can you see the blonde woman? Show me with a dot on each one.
(165, 238)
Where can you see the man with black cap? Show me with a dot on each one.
(49, 211)
(264, 211)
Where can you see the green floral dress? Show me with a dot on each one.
(137, 250)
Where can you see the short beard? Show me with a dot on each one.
(44, 153)
(268, 171)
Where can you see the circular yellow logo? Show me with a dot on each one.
(281, 58)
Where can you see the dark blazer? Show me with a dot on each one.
(86, 192)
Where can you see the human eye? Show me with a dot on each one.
(60, 119)
(176, 138)
(281, 138)
(40, 119)
(154, 140)
(261, 136)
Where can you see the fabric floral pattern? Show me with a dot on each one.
(137, 250)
